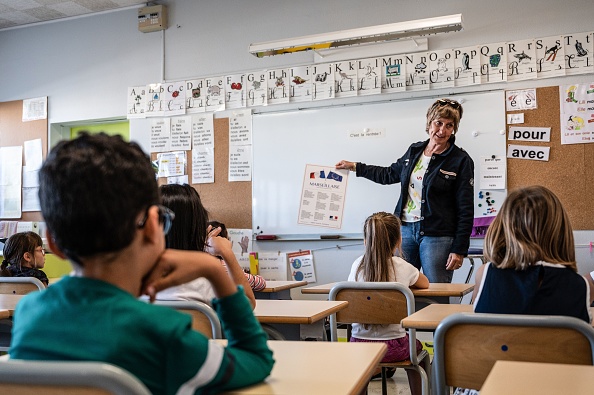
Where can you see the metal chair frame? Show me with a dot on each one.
(383, 304)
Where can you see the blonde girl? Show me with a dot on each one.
(532, 267)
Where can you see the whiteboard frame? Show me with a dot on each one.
(284, 142)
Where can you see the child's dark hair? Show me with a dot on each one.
(188, 231)
(382, 236)
(92, 190)
(15, 247)
(217, 224)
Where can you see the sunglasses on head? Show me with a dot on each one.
(166, 217)
(447, 102)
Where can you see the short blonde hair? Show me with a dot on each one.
(445, 108)
(532, 226)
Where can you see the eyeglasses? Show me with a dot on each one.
(447, 102)
(40, 249)
(166, 217)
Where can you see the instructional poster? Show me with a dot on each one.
(322, 196)
(301, 266)
(241, 244)
(273, 266)
(577, 113)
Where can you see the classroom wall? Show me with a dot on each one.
(85, 65)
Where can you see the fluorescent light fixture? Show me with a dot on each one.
(408, 45)
(365, 35)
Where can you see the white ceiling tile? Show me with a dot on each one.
(20, 4)
(20, 18)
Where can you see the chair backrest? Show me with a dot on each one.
(204, 318)
(376, 303)
(466, 345)
(20, 285)
(19, 377)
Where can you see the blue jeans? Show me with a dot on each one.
(427, 252)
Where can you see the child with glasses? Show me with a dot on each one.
(24, 256)
(190, 232)
(100, 202)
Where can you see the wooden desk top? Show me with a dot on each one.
(9, 301)
(6, 313)
(435, 289)
(531, 378)
(429, 317)
(276, 286)
(295, 311)
(318, 368)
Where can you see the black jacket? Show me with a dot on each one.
(447, 205)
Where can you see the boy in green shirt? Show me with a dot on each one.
(100, 201)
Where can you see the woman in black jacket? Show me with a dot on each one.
(436, 198)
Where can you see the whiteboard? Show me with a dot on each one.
(284, 142)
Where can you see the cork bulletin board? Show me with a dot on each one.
(226, 202)
(569, 173)
(14, 132)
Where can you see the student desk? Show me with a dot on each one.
(297, 319)
(435, 290)
(318, 368)
(278, 289)
(428, 318)
(532, 378)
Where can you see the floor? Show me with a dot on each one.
(397, 385)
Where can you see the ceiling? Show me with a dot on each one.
(25, 12)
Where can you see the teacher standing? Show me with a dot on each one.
(436, 196)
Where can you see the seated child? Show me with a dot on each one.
(257, 282)
(100, 201)
(532, 267)
(190, 232)
(24, 256)
(382, 237)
